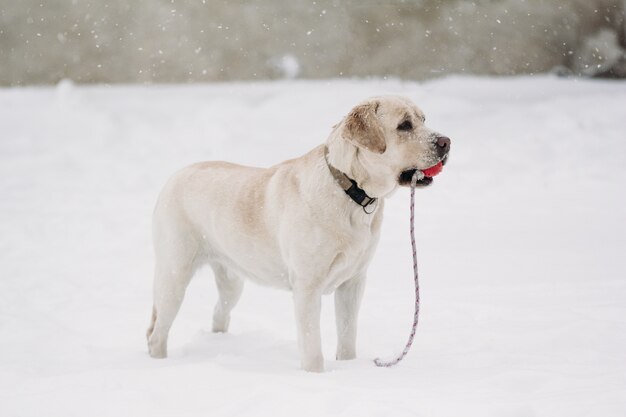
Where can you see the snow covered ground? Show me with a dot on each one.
(521, 248)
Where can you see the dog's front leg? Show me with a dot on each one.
(308, 304)
(347, 302)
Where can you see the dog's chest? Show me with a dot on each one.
(353, 255)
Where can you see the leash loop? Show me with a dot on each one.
(378, 361)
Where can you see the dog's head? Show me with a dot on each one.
(391, 132)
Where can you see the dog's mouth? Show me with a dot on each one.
(406, 176)
(429, 173)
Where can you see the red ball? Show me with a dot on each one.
(434, 170)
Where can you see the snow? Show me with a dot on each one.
(520, 242)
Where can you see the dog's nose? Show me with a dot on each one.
(443, 145)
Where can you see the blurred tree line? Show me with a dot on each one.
(125, 41)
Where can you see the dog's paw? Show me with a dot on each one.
(220, 323)
(346, 355)
(157, 350)
(313, 365)
(157, 354)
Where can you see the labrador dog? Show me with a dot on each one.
(309, 225)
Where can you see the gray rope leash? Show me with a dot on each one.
(416, 177)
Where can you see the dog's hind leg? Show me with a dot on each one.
(152, 321)
(229, 288)
(176, 262)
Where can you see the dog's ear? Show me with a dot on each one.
(362, 128)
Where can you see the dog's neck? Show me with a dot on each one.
(350, 186)
(353, 162)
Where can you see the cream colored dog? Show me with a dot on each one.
(309, 225)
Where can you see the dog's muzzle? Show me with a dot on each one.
(442, 145)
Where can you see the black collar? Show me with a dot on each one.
(349, 186)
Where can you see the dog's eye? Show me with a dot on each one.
(406, 125)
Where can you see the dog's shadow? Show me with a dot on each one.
(251, 351)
